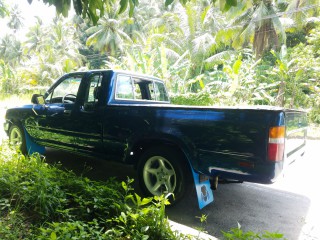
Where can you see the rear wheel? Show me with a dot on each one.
(161, 171)
(17, 138)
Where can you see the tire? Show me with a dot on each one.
(162, 170)
(17, 138)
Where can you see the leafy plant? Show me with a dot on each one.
(143, 218)
(239, 234)
(72, 230)
(41, 201)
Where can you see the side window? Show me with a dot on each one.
(94, 92)
(124, 88)
(134, 88)
(66, 91)
(158, 92)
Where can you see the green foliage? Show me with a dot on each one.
(73, 230)
(45, 191)
(239, 234)
(14, 225)
(203, 221)
(41, 201)
(197, 50)
(95, 9)
(193, 99)
(47, 53)
(3, 9)
(142, 220)
(314, 114)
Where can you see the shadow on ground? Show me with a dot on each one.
(255, 207)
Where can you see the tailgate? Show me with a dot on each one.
(296, 133)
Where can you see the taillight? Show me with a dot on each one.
(276, 143)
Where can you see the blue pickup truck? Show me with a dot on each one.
(127, 117)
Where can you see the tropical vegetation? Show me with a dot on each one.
(251, 52)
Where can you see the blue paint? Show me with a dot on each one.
(32, 147)
(203, 189)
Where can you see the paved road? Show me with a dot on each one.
(291, 206)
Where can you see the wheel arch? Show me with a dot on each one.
(139, 147)
(13, 121)
(13, 117)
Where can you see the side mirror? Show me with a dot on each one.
(37, 99)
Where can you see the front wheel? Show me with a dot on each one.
(162, 171)
(17, 138)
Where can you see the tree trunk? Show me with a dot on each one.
(280, 96)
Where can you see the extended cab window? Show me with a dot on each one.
(135, 88)
(124, 88)
(158, 92)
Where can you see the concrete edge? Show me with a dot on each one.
(190, 231)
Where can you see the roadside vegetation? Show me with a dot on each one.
(41, 201)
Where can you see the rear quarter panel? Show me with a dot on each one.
(228, 142)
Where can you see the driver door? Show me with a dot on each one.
(54, 120)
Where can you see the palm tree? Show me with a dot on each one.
(16, 19)
(62, 38)
(108, 35)
(52, 51)
(11, 50)
(3, 9)
(173, 45)
(301, 11)
(198, 27)
(260, 25)
(36, 36)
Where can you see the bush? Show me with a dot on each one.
(13, 225)
(203, 98)
(41, 201)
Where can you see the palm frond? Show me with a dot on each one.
(260, 14)
(220, 57)
(243, 18)
(203, 43)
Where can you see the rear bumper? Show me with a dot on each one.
(245, 177)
